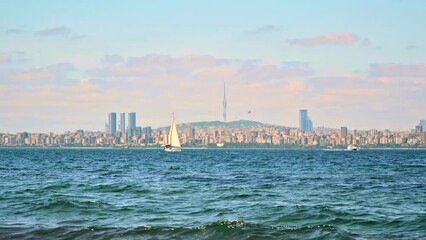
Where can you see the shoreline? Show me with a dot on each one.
(211, 148)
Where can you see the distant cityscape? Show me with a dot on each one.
(238, 134)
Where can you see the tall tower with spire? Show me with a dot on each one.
(224, 103)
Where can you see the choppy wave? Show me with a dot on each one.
(224, 229)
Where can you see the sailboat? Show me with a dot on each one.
(173, 143)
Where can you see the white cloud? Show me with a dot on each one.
(54, 31)
(343, 38)
(264, 29)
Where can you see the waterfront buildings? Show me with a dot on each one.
(191, 135)
(202, 134)
(423, 137)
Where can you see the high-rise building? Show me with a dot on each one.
(138, 132)
(122, 123)
(419, 129)
(112, 123)
(423, 124)
(373, 132)
(305, 123)
(224, 103)
(131, 121)
(343, 132)
(148, 134)
(423, 137)
(192, 133)
(303, 119)
(310, 125)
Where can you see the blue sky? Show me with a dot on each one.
(65, 64)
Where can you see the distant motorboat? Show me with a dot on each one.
(352, 148)
(173, 142)
(220, 144)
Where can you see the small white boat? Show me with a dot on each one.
(220, 144)
(352, 148)
(173, 143)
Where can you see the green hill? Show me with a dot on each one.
(233, 124)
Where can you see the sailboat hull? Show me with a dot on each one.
(172, 149)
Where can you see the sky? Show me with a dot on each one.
(64, 65)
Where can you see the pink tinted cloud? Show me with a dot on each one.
(201, 67)
(57, 72)
(112, 59)
(343, 38)
(33, 75)
(4, 58)
(398, 70)
(273, 92)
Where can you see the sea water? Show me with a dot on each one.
(212, 194)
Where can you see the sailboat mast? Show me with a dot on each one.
(169, 137)
(224, 103)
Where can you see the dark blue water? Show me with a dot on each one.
(212, 194)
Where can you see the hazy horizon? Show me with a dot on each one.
(64, 65)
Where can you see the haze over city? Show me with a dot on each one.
(65, 64)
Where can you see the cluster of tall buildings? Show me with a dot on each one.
(111, 125)
(125, 131)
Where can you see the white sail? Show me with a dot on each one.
(173, 138)
(169, 135)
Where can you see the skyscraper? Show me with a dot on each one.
(419, 129)
(131, 118)
(310, 125)
(303, 117)
(148, 134)
(122, 123)
(112, 123)
(224, 103)
(305, 123)
(192, 133)
(343, 132)
(423, 124)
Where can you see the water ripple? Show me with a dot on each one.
(212, 194)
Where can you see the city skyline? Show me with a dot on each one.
(359, 64)
(238, 134)
(207, 133)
